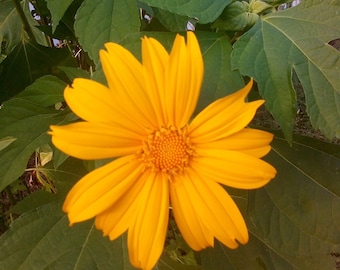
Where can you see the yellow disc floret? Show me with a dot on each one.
(167, 150)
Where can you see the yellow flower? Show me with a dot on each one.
(165, 160)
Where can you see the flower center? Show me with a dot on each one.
(167, 150)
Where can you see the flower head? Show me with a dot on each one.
(163, 158)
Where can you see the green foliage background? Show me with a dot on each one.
(294, 221)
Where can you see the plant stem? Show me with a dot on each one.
(24, 20)
(10, 196)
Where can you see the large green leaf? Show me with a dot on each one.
(57, 9)
(42, 239)
(98, 22)
(27, 119)
(10, 27)
(219, 79)
(294, 220)
(45, 91)
(296, 39)
(205, 11)
(30, 61)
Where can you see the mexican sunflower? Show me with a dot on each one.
(164, 160)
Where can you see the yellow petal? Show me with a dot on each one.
(250, 141)
(118, 218)
(91, 140)
(232, 168)
(101, 188)
(223, 117)
(185, 212)
(183, 80)
(155, 61)
(213, 208)
(146, 236)
(126, 79)
(93, 101)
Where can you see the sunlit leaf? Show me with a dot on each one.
(6, 141)
(98, 22)
(296, 39)
(204, 11)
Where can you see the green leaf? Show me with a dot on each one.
(236, 17)
(173, 22)
(293, 221)
(45, 91)
(63, 178)
(42, 239)
(166, 263)
(24, 118)
(254, 255)
(297, 214)
(204, 11)
(73, 73)
(296, 39)
(98, 22)
(10, 27)
(6, 141)
(219, 79)
(29, 61)
(57, 9)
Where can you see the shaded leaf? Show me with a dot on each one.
(29, 61)
(45, 91)
(57, 9)
(24, 118)
(63, 177)
(173, 22)
(219, 79)
(204, 11)
(166, 263)
(10, 27)
(296, 39)
(98, 22)
(73, 73)
(294, 220)
(42, 239)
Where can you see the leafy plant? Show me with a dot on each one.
(293, 221)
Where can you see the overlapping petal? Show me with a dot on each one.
(126, 79)
(195, 233)
(213, 212)
(155, 62)
(233, 168)
(101, 188)
(94, 102)
(92, 140)
(184, 76)
(147, 233)
(250, 141)
(223, 117)
(118, 218)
